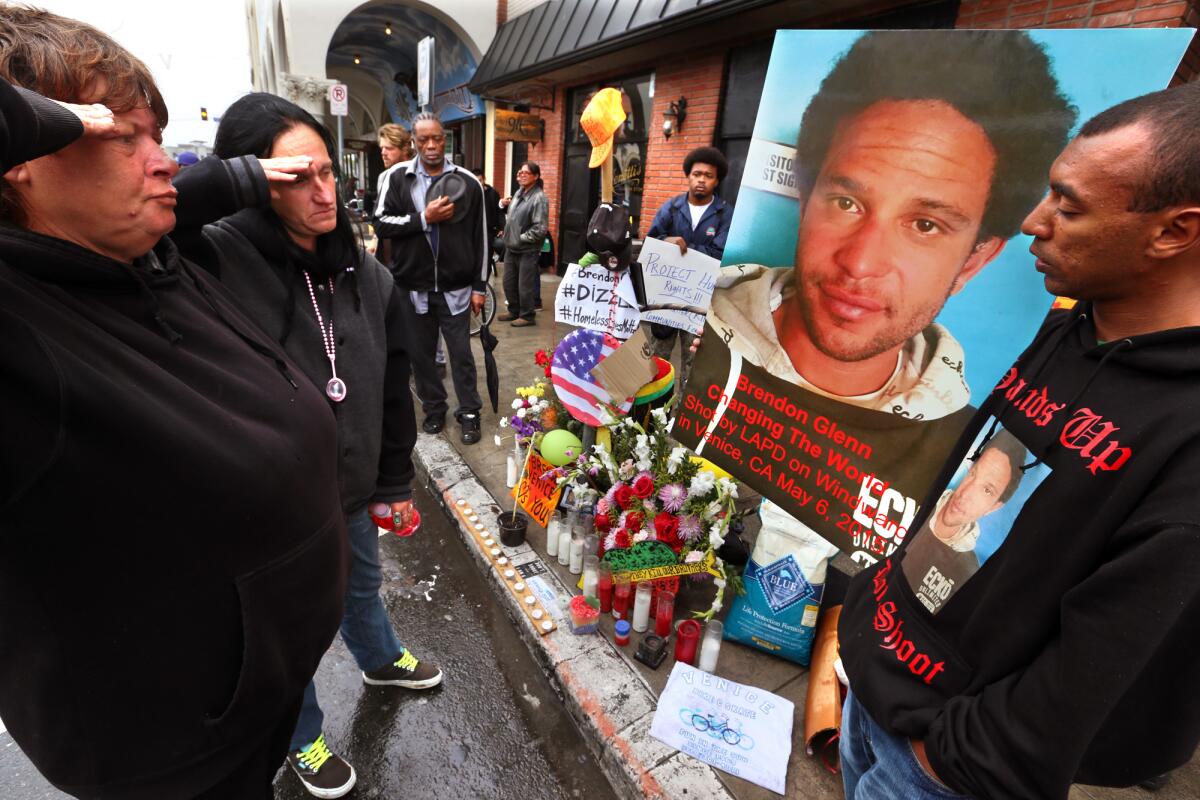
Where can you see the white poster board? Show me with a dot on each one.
(425, 71)
(674, 277)
(598, 299)
(740, 729)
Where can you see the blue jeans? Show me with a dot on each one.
(366, 629)
(877, 765)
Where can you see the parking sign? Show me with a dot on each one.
(339, 100)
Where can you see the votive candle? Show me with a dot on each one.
(641, 606)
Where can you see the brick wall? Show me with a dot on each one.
(502, 12)
(1089, 14)
(549, 155)
(699, 80)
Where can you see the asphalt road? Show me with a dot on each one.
(493, 730)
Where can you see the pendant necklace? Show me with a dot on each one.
(335, 389)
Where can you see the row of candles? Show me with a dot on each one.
(569, 537)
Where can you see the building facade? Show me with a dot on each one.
(709, 57)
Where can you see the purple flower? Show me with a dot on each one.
(689, 528)
(672, 496)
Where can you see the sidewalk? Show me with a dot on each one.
(611, 696)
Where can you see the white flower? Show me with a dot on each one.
(660, 415)
(727, 487)
(701, 484)
(641, 536)
(715, 537)
(716, 607)
(712, 509)
(496, 439)
(504, 422)
(521, 412)
(719, 583)
(693, 556)
(644, 464)
(518, 403)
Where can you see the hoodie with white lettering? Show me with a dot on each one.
(1070, 654)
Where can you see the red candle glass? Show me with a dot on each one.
(664, 612)
(687, 635)
(622, 589)
(604, 586)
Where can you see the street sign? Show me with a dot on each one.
(513, 126)
(425, 71)
(339, 100)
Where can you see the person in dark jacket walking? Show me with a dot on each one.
(524, 231)
(440, 260)
(1070, 655)
(697, 219)
(154, 647)
(292, 260)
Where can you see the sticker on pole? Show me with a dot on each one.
(740, 729)
(339, 100)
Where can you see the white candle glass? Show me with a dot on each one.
(710, 647)
(641, 606)
(591, 574)
(564, 540)
(576, 561)
(553, 532)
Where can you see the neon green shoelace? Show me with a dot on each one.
(316, 755)
(407, 661)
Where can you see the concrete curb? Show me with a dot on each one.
(609, 700)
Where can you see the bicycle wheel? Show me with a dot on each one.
(730, 736)
(699, 723)
(488, 313)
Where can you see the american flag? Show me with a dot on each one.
(574, 358)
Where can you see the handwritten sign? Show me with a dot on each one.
(672, 277)
(538, 491)
(741, 729)
(598, 299)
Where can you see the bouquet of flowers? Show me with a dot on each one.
(536, 408)
(651, 490)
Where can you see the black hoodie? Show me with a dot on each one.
(1070, 655)
(172, 546)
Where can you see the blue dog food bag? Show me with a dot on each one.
(784, 580)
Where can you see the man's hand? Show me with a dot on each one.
(504, 201)
(439, 209)
(677, 240)
(405, 510)
(97, 119)
(286, 168)
(477, 301)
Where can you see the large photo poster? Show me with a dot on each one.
(876, 281)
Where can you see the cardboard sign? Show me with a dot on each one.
(672, 277)
(628, 368)
(740, 729)
(537, 492)
(597, 299)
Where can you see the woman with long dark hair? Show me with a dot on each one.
(524, 232)
(283, 243)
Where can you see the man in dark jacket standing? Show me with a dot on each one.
(440, 259)
(697, 219)
(1070, 655)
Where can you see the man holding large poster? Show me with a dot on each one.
(915, 165)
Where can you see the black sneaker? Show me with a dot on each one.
(323, 773)
(470, 428)
(434, 423)
(405, 671)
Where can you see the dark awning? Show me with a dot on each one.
(562, 32)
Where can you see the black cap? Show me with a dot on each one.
(453, 185)
(609, 236)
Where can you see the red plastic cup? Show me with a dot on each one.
(664, 612)
(687, 636)
(384, 518)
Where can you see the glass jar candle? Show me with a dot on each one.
(552, 533)
(664, 612)
(710, 648)
(564, 539)
(576, 558)
(641, 606)
(604, 586)
(591, 574)
(622, 589)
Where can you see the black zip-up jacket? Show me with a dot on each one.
(1071, 654)
(463, 246)
(166, 484)
(249, 252)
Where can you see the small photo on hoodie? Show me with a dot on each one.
(972, 517)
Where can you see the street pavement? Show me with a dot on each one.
(495, 729)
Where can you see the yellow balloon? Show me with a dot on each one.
(707, 465)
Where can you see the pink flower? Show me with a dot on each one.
(672, 497)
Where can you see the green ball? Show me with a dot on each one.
(555, 445)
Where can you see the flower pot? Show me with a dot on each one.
(512, 528)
